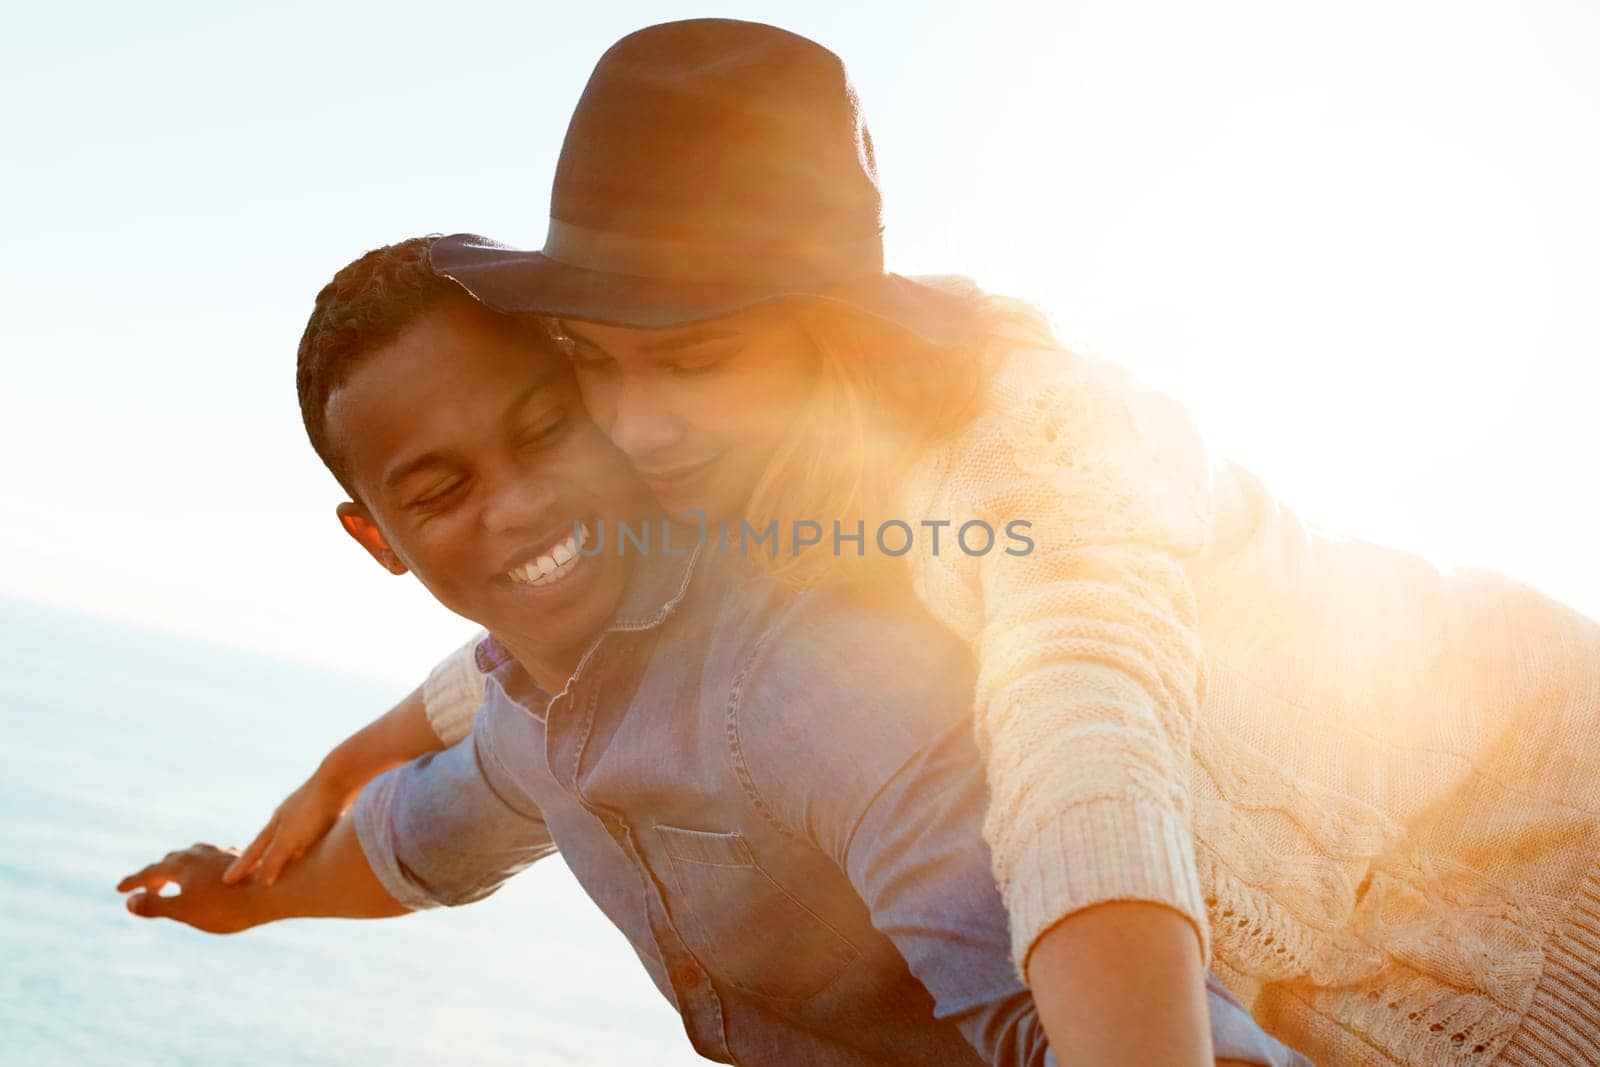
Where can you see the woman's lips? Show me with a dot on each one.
(680, 480)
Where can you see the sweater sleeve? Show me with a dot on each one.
(1090, 667)
(453, 692)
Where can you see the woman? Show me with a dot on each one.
(1360, 788)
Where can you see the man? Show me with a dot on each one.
(774, 794)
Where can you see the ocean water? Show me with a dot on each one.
(119, 744)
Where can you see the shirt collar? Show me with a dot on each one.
(658, 584)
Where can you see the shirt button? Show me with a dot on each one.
(685, 977)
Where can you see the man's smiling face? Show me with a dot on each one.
(473, 460)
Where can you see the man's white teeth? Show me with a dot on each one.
(555, 565)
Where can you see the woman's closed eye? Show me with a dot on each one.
(690, 366)
(545, 433)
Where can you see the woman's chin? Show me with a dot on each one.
(713, 502)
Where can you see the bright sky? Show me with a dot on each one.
(1360, 240)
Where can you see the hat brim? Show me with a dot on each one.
(938, 310)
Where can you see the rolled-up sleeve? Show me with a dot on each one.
(437, 832)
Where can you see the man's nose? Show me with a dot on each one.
(518, 501)
(642, 423)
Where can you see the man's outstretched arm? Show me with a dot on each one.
(332, 880)
(433, 832)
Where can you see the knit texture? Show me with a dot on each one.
(1397, 798)
(1373, 785)
(454, 691)
(1090, 668)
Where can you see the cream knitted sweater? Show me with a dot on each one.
(1373, 786)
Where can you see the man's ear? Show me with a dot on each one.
(359, 524)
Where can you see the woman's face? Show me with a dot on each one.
(699, 409)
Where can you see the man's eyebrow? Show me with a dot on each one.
(436, 458)
(666, 344)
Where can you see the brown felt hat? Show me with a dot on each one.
(710, 165)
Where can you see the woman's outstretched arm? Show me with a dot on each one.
(433, 716)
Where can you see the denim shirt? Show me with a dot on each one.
(776, 797)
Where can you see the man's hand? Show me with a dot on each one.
(331, 881)
(204, 901)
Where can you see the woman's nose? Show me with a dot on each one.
(642, 423)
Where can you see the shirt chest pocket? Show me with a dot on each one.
(743, 925)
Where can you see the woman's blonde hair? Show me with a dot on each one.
(881, 399)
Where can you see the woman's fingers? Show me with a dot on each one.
(252, 854)
(274, 860)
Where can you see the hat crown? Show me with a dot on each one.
(711, 165)
(735, 138)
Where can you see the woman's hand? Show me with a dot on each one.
(297, 824)
(397, 736)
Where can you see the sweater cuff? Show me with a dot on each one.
(1099, 851)
(453, 693)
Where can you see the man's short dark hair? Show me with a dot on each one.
(368, 304)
